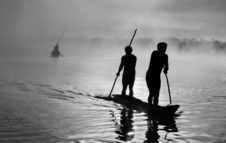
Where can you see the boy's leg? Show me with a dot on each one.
(124, 89)
(131, 87)
(150, 99)
(156, 92)
(156, 99)
(124, 86)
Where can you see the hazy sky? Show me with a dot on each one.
(44, 20)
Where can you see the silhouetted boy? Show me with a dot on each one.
(128, 62)
(159, 60)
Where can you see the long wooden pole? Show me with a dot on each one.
(168, 88)
(117, 76)
(60, 37)
(133, 37)
(113, 86)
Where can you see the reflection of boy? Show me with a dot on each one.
(159, 60)
(128, 62)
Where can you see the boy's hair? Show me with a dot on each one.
(128, 49)
(162, 45)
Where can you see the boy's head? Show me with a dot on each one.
(128, 49)
(162, 47)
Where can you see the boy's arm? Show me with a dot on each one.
(166, 66)
(135, 61)
(120, 67)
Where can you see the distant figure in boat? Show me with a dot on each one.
(159, 61)
(55, 52)
(128, 62)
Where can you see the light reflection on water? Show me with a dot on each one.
(45, 100)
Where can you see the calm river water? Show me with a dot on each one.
(53, 101)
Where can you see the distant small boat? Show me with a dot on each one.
(140, 106)
(56, 53)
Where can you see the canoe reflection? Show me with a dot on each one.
(152, 135)
(125, 128)
(152, 132)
